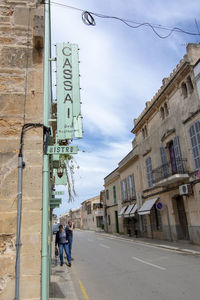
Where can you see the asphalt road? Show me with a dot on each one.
(109, 268)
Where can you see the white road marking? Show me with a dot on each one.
(89, 240)
(148, 263)
(102, 245)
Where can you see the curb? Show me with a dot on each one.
(168, 247)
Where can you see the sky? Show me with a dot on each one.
(121, 68)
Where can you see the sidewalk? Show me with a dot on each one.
(61, 285)
(179, 246)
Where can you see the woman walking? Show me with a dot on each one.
(62, 242)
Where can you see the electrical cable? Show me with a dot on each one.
(88, 19)
(88, 16)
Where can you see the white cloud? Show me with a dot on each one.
(121, 68)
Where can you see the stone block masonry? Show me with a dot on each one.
(21, 101)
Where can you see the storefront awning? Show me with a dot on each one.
(129, 208)
(122, 211)
(147, 206)
(133, 211)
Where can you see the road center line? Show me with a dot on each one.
(102, 245)
(148, 263)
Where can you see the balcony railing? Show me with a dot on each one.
(169, 169)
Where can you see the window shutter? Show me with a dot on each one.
(131, 185)
(122, 191)
(194, 133)
(177, 151)
(165, 166)
(114, 195)
(125, 190)
(149, 172)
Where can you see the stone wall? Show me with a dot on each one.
(21, 101)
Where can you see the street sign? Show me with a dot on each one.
(61, 180)
(159, 205)
(56, 149)
(58, 193)
(69, 119)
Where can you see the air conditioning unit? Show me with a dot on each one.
(185, 189)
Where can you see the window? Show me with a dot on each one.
(149, 172)
(143, 223)
(99, 221)
(114, 195)
(165, 165)
(194, 133)
(131, 186)
(190, 85)
(162, 113)
(144, 132)
(166, 109)
(89, 211)
(176, 161)
(184, 89)
(107, 194)
(124, 190)
(97, 205)
(156, 219)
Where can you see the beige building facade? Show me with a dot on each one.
(21, 102)
(92, 214)
(73, 215)
(112, 204)
(165, 160)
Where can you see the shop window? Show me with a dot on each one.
(156, 219)
(143, 223)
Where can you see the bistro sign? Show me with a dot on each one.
(62, 150)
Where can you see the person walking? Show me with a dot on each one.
(62, 242)
(69, 235)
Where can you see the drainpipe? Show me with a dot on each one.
(18, 239)
(45, 198)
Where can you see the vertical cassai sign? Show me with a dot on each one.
(69, 119)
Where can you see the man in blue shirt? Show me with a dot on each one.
(69, 235)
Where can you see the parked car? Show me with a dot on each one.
(55, 228)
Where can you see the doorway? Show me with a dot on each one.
(116, 221)
(182, 226)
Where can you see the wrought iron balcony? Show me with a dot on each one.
(170, 172)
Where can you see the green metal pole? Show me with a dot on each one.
(45, 198)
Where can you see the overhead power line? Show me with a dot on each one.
(88, 19)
